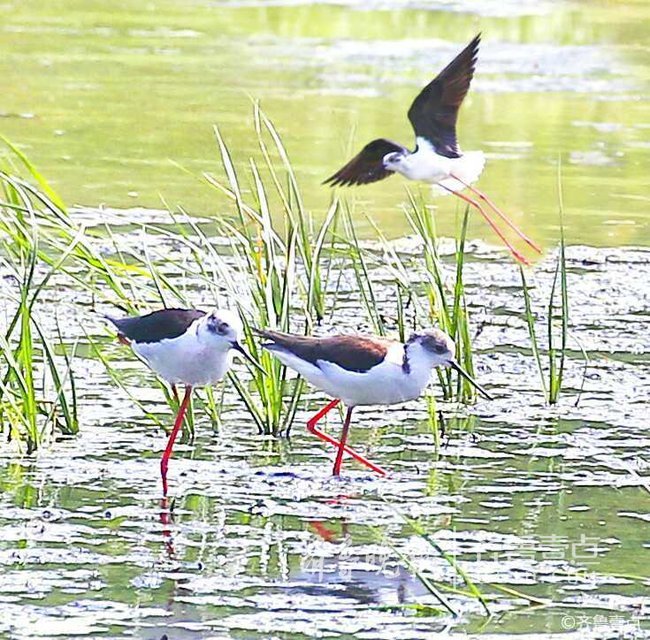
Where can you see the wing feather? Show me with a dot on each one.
(156, 326)
(367, 166)
(434, 112)
(353, 353)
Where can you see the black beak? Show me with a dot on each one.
(454, 365)
(237, 347)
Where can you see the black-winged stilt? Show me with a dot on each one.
(437, 158)
(183, 346)
(360, 370)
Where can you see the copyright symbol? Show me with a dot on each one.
(568, 622)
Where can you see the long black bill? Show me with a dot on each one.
(237, 347)
(454, 365)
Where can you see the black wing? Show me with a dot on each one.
(434, 112)
(354, 353)
(157, 326)
(367, 166)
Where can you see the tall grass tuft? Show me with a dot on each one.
(446, 296)
(39, 242)
(37, 386)
(275, 272)
(552, 377)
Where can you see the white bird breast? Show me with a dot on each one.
(426, 165)
(187, 359)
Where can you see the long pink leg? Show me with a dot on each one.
(166, 519)
(164, 461)
(474, 203)
(500, 213)
(311, 427)
(344, 438)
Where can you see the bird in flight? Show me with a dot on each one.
(437, 158)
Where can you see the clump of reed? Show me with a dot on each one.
(37, 386)
(281, 266)
(445, 296)
(43, 249)
(442, 289)
(556, 327)
(551, 376)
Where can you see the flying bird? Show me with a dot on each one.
(183, 346)
(363, 370)
(437, 158)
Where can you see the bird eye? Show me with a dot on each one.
(217, 326)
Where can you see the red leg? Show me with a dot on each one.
(164, 461)
(501, 215)
(175, 393)
(166, 519)
(344, 438)
(324, 532)
(311, 427)
(474, 203)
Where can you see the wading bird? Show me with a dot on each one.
(359, 370)
(183, 346)
(437, 158)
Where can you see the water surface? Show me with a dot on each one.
(106, 98)
(263, 543)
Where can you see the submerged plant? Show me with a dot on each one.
(433, 587)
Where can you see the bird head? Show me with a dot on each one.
(224, 328)
(438, 350)
(392, 161)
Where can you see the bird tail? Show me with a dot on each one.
(276, 339)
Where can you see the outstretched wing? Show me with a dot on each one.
(353, 353)
(156, 326)
(434, 112)
(367, 166)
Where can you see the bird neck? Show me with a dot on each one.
(418, 363)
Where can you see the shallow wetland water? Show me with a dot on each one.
(262, 543)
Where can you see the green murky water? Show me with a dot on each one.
(263, 543)
(104, 96)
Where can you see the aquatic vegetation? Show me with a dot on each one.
(447, 305)
(279, 267)
(544, 510)
(552, 376)
(43, 247)
(37, 389)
